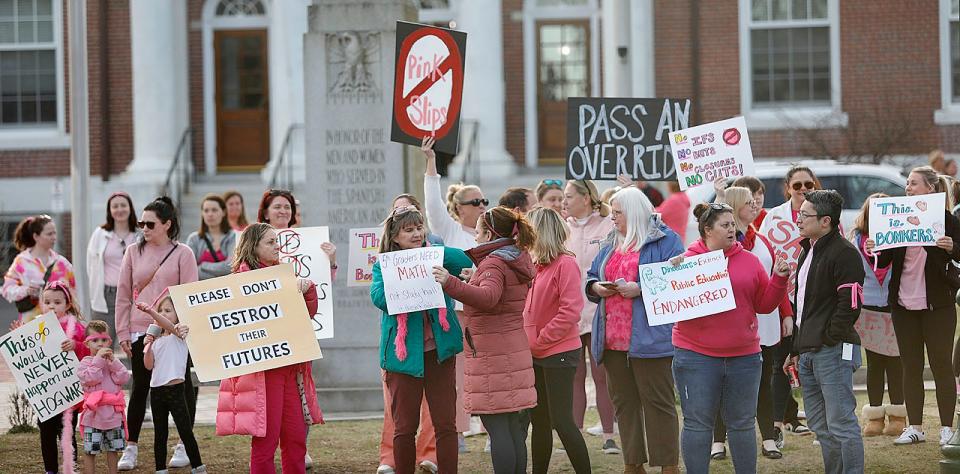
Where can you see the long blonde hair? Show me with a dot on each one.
(455, 193)
(246, 251)
(552, 233)
(939, 182)
(737, 197)
(586, 187)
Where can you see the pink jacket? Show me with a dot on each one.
(675, 212)
(242, 401)
(733, 333)
(101, 377)
(553, 308)
(27, 269)
(136, 268)
(585, 241)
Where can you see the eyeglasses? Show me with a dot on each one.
(553, 182)
(476, 202)
(806, 184)
(146, 224)
(803, 216)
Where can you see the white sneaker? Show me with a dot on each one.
(128, 461)
(595, 430)
(428, 466)
(486, 447)
(385, 469)
(180, 458)
(801, 415)
(945, 434)
(910, 435)
(308, 461)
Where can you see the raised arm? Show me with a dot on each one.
(161, 320)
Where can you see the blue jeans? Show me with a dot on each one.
(827, 383)
(710, 384)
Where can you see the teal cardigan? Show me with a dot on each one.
(449, 343)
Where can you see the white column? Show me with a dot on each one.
(160, 102)
(616, 41)
(642, 48)
(483, 88)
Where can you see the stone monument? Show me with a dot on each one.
(353, 171)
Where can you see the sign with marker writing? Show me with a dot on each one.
(364, 246)
(715, 150)
(612, 136)
(784, 236)
(428, 85)
(300, 247)
(697, 287)
(408, 282)
(907, 221)
(44, 373)
(247, 322)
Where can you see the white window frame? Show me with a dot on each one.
(43, 137)
(949, 113)
(787, 117)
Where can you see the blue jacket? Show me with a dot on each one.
(646, 342)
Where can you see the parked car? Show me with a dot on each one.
(854, 182)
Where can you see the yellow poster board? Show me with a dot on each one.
(245, 322)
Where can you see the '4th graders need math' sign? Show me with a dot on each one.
(44, 373)
(408, 282)
(907, 221)
(699, 286)
(245, 322)
(714, 150)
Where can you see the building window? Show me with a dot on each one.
(564, 61)
(28, 63)
(955, 50)
(240, 8)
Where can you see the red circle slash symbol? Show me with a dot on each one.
(731, 136)
(452, 63)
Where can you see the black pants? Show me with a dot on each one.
(50, 433)
(785, 407)
(880, 367)
(933, 329)
(508, 441)
(554, 411)
(191, 392)
(171, 400)
(139, 391)
(764, 400)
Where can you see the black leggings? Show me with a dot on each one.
(50, 433)
(764, 400)
(139, 391)
(934, 329)
(785, 407)
(508, 441)
(171, 400)
(554, 411)
(880, 367)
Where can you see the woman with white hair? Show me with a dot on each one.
(637, 357)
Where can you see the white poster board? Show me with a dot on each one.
(408, 283)
(364, 246)
(785, 238)
(301, 248)
(907, 221)
(706, 152)
(697, 287)
(44, 373)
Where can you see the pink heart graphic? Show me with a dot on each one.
(922, 205)
(914, 220)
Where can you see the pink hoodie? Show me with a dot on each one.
(585, 241)
(552, 314)
(733, 333)
(102, 382)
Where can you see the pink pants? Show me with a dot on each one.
(285, 426)
(604, 405)
(426, 439)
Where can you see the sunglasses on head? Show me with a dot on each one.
(146, 224)
(476, 202)
(806, 184)
(715, 207)
(553, 182)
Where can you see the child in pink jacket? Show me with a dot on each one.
(102, 423)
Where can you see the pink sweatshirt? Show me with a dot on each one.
(100, 375)
(180, 267)
(585, 241)
(552, 314)
(733, 333)
(675, 212)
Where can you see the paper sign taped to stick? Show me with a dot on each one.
(428, 85)
(609, 137)
(408, 282)
(364, 246)
(261, 323)
(44, 373)
(698, 287)
(907, 221)
(715, 150)
(300, 247)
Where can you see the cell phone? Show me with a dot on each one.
(620, 281)
(608, 285)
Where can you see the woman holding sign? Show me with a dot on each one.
(274, 406)
(924, 313)
(717, 362)
(635, 355)
(417, 350)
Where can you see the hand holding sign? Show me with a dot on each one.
(781, 267)
(440, 274)
(946, 243)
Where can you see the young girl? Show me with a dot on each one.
(166, 356)
(103, 376)
(417, 351)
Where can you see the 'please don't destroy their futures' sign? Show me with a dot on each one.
(246, 322)
(408, 283)
(610, 137)
(699, 286)
(907, 221)
(44, 373)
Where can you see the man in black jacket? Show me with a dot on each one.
(826, 348)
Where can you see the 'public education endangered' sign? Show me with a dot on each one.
(907, 221)
(699, 286)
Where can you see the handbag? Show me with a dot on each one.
(138, 288)
(210, 248)
(27, 303)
